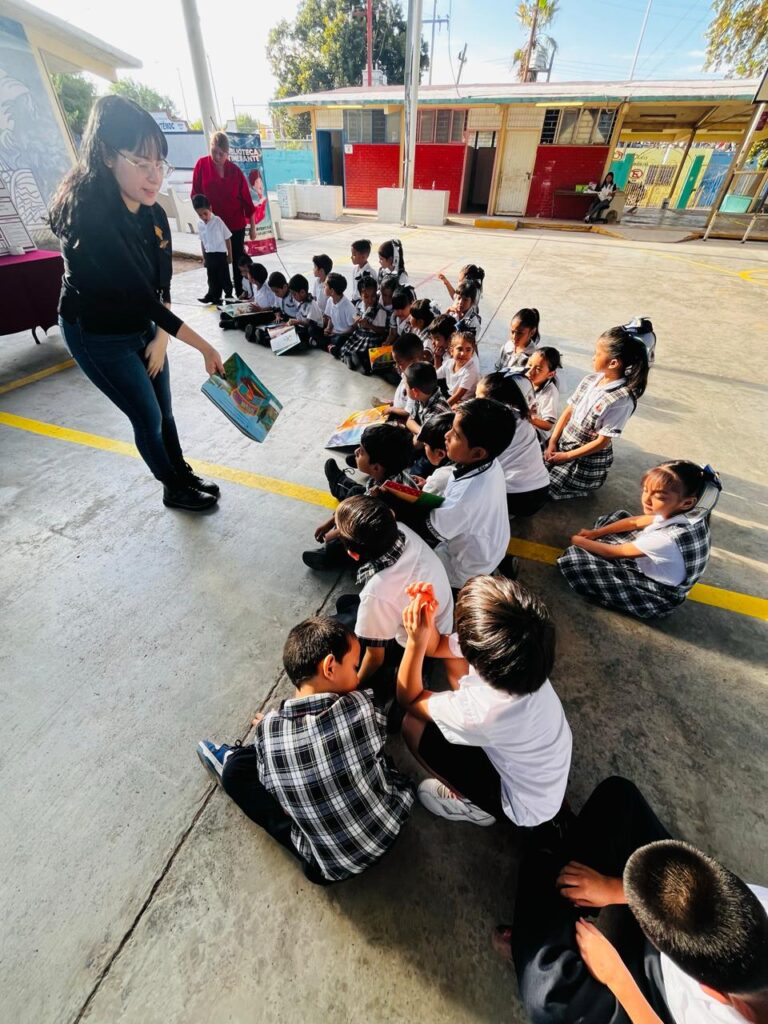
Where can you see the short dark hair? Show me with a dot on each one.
(244, 260)
(389, 445)
(310, 642)
(434, 429)
(503, 387)
(401, 298)
(362, 245)
(466, 290)
(422, 376)
(366, 526)
(388, 284)
(421, 310)
(298, 283)
(258, 272)
(505, 633)
(337, 283)
(700, 915)
(277, 279)
(487, 424)
(444, 325)
(201, 202)
(408, 344)
(468, 337)
(366, 281)
(323, 262)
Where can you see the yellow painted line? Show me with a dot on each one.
(40, 375)
(729, 600)
(495, 225)
(745, 275)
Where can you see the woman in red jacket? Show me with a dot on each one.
(224, 184)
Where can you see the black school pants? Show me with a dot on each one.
(555, 985)
(217, 269)
(237, 242)
(240, 781)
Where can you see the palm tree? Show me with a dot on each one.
(544, 11)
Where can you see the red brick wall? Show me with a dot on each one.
(443, 165)
(562, 167)
(366, 169)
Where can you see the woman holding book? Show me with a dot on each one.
(114, 311)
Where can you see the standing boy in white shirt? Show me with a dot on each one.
(500, 741)
(215, 239)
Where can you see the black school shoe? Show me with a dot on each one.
(187, 498)
(206, 300)
(189, 478)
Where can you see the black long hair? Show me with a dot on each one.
(504, 388)
(633, 356)
(115, 123)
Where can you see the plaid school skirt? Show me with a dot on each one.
(579, 477)
(618, 583)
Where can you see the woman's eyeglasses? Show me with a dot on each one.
(147, 167)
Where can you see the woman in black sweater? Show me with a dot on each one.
(114, 311)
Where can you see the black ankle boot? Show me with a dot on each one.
(180, 494)
(189, 478)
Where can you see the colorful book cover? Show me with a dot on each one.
(422, 499)
(283, 339)
(348, 433)
(381, 357)
(243, 399)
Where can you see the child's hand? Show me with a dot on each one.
(443, 278)
(555, 458)
(419, 481)
(417, 621)
(600, 956)
(259, 718)
(579, 541)
(586, 887)
(589, 534)
(322, 531)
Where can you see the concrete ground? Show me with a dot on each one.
(133, 892)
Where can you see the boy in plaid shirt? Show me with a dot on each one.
(315, 777)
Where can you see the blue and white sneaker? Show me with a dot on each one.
(213, 758)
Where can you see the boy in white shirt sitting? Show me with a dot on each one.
(308, 318)
(215, 239)
(499, 744)
(340, 314)
(359, 253)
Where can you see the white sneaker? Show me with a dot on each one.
(440, 800)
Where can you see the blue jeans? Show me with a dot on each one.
(115, 364)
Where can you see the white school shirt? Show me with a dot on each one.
(509, 358)
(289, 307)
(438, 481)
(687, 1001)
(342, 315)
(526, 737)
(663, 559)
(264, 297)
(522, 460)
(247, 288)
(613, 420)
(317, 288)
(546, 404)
(401, 399)
(214, 234)
(472, 524)
(465, 376)
(357, 273)
(309, 311)
(383, 598)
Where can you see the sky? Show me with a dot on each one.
(596, 40)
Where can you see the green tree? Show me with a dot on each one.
(246, 123)
(547, 9)
(737, 38)
(196, 126)
(324, 47)
(145, 96)
(76, 95)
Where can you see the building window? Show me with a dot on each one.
(583, 126)
(441, 126)
(371, 127)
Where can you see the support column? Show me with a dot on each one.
(613, 142)
(200, 67)
(498, 163)
(741, 155)
(313, 129)
(412, 71)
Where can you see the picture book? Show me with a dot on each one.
(381, 358)
(282, 339)
(348, 433)
(413, 495)
(243, 399)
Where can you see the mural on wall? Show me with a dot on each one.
(34, 155)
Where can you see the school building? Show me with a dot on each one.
(523, 148)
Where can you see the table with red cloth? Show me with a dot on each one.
(29, 291)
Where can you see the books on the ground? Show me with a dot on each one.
(243, 399)
(381, 358)
(283, 339)
(422, 499)
(348, 433)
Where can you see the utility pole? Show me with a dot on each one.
(199, 66)
(434, 20)
(640, 40)
(369, 40)
(412, 68)
(462, 61)
(531, 41)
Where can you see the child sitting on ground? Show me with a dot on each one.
(286, 307)
(579, 452)
(432, 438)
(499, 743)
(464, 308)
(441, 330)
(308, 318)
(385, 452)
(264, 299)
(525, 474)
(543, 364)
(322, 265)
(359, 253)
(407, 350)
(690, 946)
(340, 314)
(523, 338)
(470, 272)
(472, 524)
(462, 371)
(400, 320)
(421, 317)
(244, 265)
(216, 243)
(646, 565)
(392, 264)
(424, 395)
(370, 327)
(332, 734)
